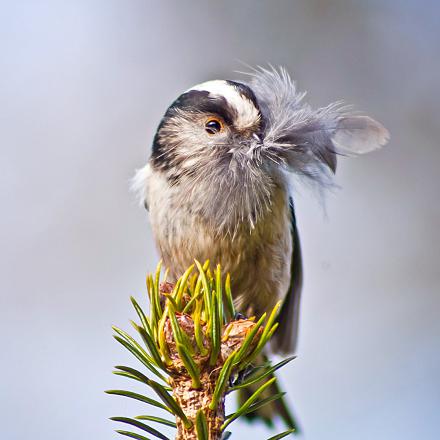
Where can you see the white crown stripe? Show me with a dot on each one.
(247, 114)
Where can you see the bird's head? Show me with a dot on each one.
(215, 121)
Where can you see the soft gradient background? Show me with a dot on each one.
(83, 85)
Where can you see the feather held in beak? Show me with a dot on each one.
(308, 141)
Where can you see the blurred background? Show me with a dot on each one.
(83, 86)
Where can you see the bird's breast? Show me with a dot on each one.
(258, 258)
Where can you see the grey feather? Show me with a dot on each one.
(305, 140)
(359, 134)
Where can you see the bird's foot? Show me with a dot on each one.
(238, 316)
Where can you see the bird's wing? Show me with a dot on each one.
(286, 336)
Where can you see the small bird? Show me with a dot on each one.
(218, 184)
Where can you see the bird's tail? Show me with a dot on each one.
(269, 411)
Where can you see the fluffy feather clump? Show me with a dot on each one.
(305, 140)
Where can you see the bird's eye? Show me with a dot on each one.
(213, 126)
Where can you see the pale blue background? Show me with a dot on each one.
(83, 85)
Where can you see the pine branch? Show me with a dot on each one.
(193, 343)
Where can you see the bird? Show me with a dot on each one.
(219, 184)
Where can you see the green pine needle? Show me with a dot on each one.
(157, 420)
(161, 391)
(152, 348)
(142, 356)
(229, 300)
(127, 375)
(259, 404)
(201, 426)
(205, 285)
(140, 425)
(190, 365)
(243, 408)
(183, 285)
(282, 434)
(180, 337)
(215, 330)
(139, 397)
(222, 381)
(132, 435)
(141, 314)
(248, 340)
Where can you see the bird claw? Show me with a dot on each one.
(238, 316)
